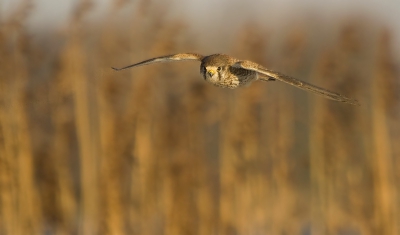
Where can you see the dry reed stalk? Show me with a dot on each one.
(25, 204)
(8, 165)
(113, 131)
(8, 193)
(146, 192)
(73, 60)
(317, 170)
(64, 156)
(386, 204)
(319, 150)
(29, 215)
(19, 199)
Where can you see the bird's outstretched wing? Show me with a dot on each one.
(249, 65)
(175, 57)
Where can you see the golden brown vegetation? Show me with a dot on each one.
(156, 150)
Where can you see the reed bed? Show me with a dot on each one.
(156, 150)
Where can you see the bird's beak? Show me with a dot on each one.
(211, 72)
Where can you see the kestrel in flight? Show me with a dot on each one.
(228, 72)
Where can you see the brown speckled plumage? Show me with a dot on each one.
(228, 72)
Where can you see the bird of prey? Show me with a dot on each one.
(228, 72)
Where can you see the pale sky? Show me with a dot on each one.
(50, 11)
(207, 14)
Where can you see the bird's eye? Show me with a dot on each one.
(219, 69)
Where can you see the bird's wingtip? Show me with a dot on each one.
(352, 101)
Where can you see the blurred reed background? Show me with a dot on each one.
(156, 150)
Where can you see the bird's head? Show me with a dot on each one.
(215, 68)
(213, 73)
